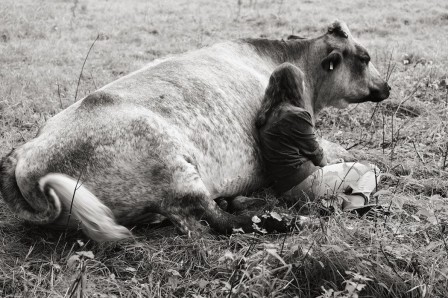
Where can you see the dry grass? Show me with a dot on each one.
(42, 49)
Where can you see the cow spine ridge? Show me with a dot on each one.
(97, 220)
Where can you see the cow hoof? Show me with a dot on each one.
(222, 203)
(192, 228)
(244, 204)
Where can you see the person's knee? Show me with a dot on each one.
(363, 168)
(347, 167)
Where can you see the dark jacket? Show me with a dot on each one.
(288, 141)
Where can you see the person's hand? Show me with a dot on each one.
(335, 161)
(323, 162)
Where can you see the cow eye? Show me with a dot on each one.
(365, 59)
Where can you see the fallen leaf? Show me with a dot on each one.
(257, 228)
(273, 252)
(237, 231)
(173, 272)
(202, 283)
(86, 254)
(256, 219)
(276, 216)
(227, 256)
(382, 192)
(73, 261)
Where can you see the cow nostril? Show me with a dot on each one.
(390, 88)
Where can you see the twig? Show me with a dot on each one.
(21, 135)
(77, 186)
(392, 139)
(59, 94)
(386, 217)
(441, 233)
(354, 145)
(232, 286)
(382, 112)
(82, 289)
(309, 249)
(284, 240)
(416, 86)
(444, 157)
(80, 280)
(361, 138)
(82, 68)
(390, 66)
(394, 115)
(74, 286)
(446, 97)
(376, 183)
(376, 199)
(346, 174)
(418, 153)
(52, 275)
(390, 263)
(373, 113)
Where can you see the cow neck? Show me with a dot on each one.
(293, 51)
(307, 98)
(279, 51)
(313, 93)
(305, 61)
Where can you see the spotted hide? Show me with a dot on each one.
(170, 138)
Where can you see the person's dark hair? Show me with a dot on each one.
(285, 86)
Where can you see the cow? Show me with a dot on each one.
(170, 138)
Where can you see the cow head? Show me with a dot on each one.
(343, 72)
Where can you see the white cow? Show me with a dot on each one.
(170, 138)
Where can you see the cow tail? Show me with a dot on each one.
(54, 192)
(97, 220)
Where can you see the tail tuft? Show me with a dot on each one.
(97, 220)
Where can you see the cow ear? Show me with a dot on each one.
(331, 61)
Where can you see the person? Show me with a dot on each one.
(293, 157)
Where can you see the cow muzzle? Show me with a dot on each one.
(379, 94)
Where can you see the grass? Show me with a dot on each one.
(42, 50)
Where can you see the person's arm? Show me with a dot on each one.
(300, 128)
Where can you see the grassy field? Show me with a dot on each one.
(43, 45)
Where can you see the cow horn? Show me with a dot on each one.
(337, 29)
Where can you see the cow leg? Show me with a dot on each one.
(190, 210)
(241, 204)
(189, 203)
